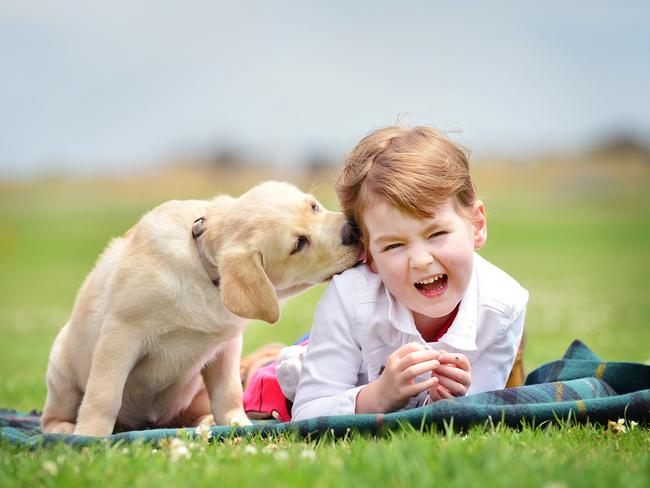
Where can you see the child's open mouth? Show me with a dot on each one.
(432, 286)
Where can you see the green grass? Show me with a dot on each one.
(541, 457)
(581, 251)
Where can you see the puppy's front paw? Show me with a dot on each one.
(240, 421)
(95, 429)
(90, 432)
(236, 418)
(66, 428)
(206, 421)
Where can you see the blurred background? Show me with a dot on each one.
(107, 109)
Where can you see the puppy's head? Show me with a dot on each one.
(273, 242)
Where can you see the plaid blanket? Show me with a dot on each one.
(579, 386)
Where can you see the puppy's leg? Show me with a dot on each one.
(113, 360)
(61, 404)
(223, 383)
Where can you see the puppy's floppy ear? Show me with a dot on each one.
(245, 289)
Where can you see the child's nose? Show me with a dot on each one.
(421, 258)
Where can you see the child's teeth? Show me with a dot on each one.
(430, 280)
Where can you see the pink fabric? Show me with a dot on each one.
(264, 395)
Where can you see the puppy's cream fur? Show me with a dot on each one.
(152, 342)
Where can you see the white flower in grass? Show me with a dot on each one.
(270, 447)
(178, 450)
(250, 449)
(281, 455)
(617, 427)
(203, 432)
(309, 454)
(633, 424)
(50, 468)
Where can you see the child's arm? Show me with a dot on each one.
(393, 389)
(329, 375)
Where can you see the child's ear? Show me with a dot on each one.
(479, 222)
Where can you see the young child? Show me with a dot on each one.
(426, 318)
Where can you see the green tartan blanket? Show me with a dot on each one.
(579, 386)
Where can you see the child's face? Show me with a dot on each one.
(408, 253)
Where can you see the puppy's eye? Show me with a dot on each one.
(301, 242)
(315, 207)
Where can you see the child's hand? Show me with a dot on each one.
(454, 376)
(393, 389)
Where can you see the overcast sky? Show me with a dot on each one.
(87, 85)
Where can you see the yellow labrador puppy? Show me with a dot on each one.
(155, 335)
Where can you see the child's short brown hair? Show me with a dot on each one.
(414, 169)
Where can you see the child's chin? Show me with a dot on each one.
(441, 308)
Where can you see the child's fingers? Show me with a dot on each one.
(453, 373)
(458, 360)
(453, 387)
(433, 393)
(417, 388)
(443, 393)
(418, 368)
(408, 349)
(414, 358)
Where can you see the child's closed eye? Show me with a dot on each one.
(394, 245)
(438, 234)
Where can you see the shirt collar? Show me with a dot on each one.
(462, 333)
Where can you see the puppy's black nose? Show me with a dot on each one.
(350, 234)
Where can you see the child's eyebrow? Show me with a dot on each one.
(438, 224)
(387, 237)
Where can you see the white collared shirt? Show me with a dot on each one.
(358, 324)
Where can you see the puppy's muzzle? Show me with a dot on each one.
(350, 234)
